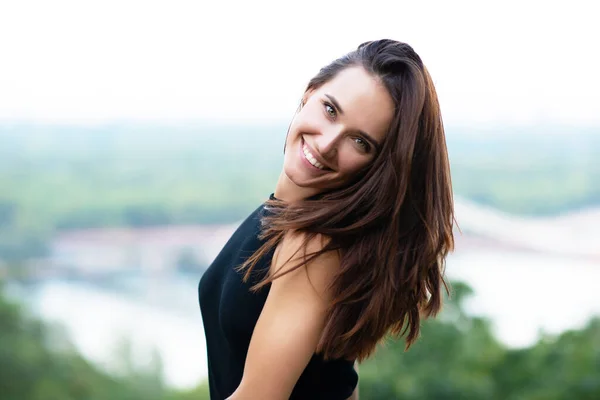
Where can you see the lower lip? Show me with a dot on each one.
(305, 160)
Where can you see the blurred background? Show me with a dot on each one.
(136, 135)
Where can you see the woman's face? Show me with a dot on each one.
(338, 131)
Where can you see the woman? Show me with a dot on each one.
(351, 245)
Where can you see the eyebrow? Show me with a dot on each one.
(365, 134)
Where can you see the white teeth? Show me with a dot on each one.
(311, 159)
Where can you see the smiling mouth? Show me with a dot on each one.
(311, 159)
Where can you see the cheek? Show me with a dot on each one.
(295, 127)
(292, 131)
(352, 163)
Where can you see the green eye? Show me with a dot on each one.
(330, 110)
(362, 143)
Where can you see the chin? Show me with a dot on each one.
(295, 176)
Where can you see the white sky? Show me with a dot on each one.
(494, 62)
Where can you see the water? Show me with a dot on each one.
(523, 293)
(526, 293)
(98, 320)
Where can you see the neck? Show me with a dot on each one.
(288, 191)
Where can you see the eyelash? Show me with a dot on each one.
(329, 106)
(365, 144)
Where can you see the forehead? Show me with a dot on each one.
(366, 103)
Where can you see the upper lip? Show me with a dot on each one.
(316, 155)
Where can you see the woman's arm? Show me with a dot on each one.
(289, 327)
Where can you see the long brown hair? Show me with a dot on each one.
(392, 226)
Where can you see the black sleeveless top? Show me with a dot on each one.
(230, 311)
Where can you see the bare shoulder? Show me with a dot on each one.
(295, 249)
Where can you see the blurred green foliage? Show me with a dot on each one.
(37, 362)
(61, 177)
(456, 357)
(55, 176)
(532, 171)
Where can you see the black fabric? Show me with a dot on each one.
(230, 311)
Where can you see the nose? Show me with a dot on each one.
(327, 142)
